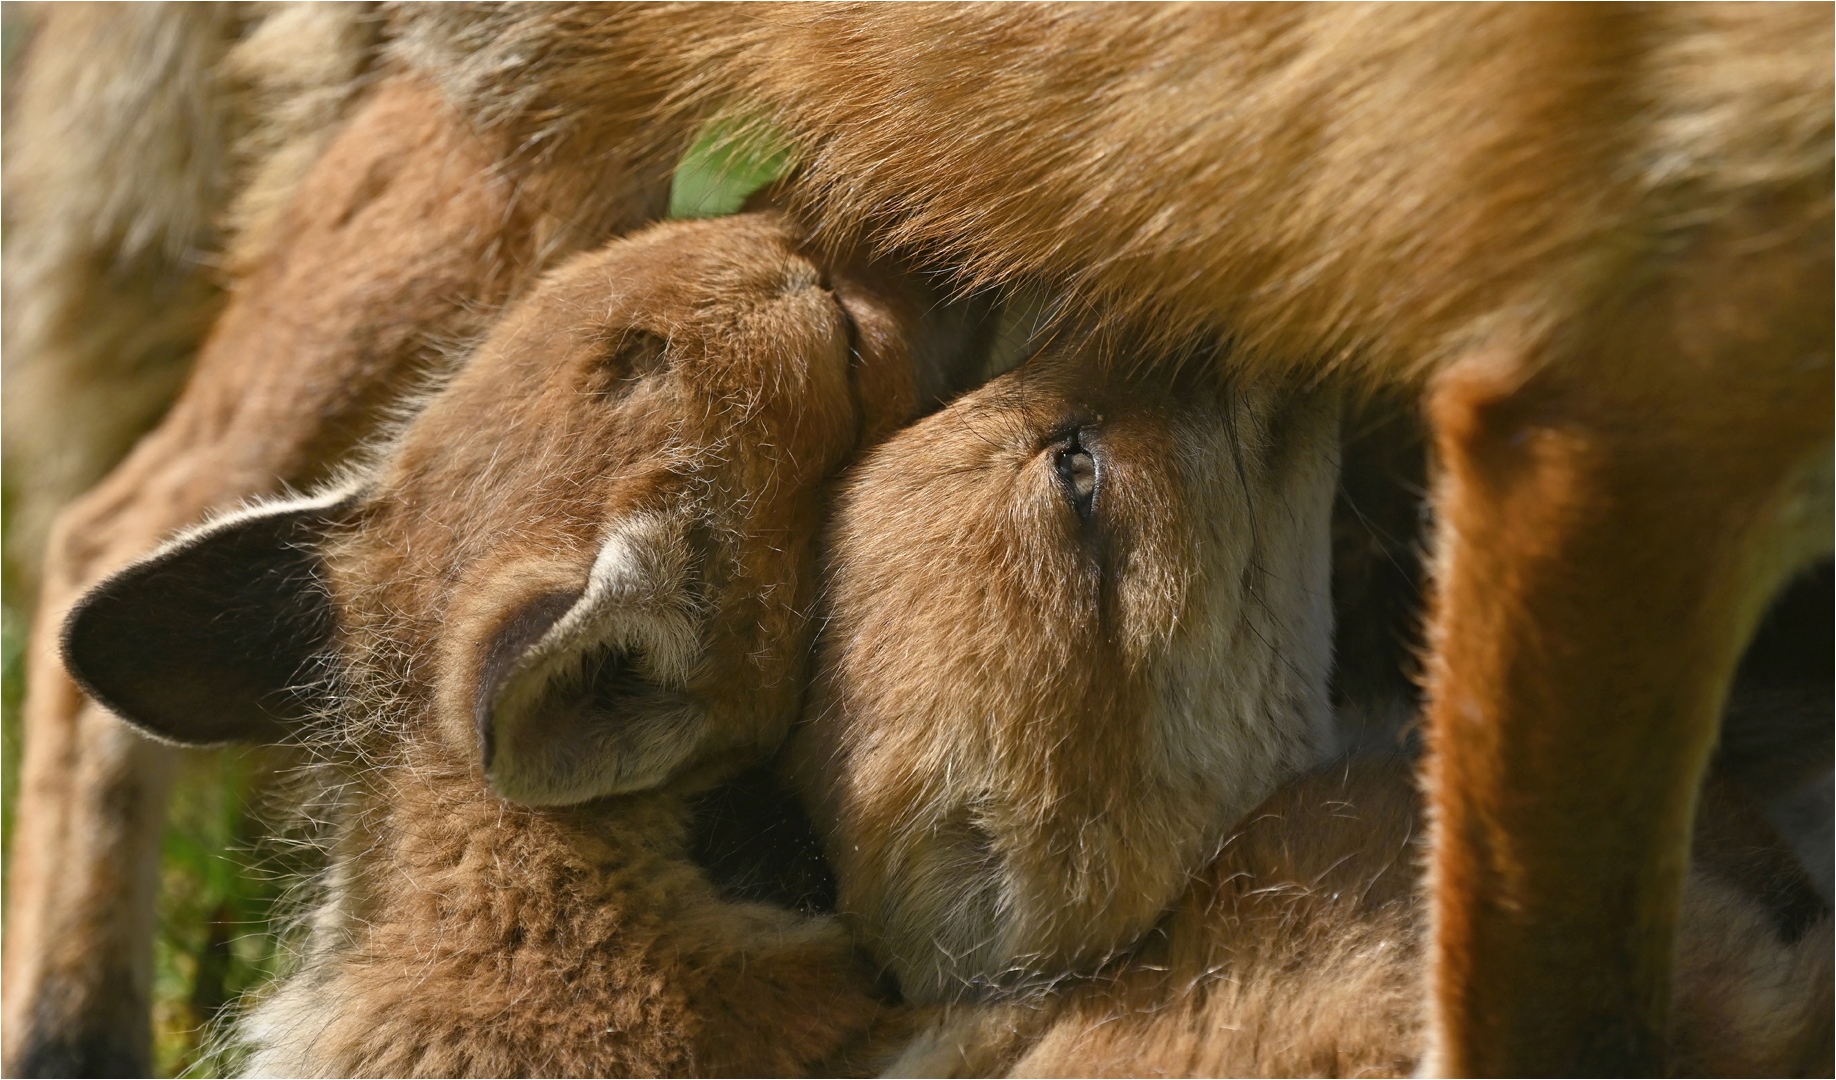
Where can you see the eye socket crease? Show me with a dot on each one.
(1079, 473)
(631, 355)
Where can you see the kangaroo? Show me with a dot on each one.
(1609, 283)
(571, 595)
(1121, 591)
(1045, 531)
(1594, 242)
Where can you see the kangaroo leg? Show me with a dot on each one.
(394, 241)
(117, 164)
(1612, 523)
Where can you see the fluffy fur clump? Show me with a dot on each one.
(1299, 953)
(468, 937)
(1037, 705)
(569, 597)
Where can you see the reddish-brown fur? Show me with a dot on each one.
(1600, 236)
(1030, 722)
(625, 474)
(1299, 950)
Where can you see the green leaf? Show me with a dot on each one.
(730, 159)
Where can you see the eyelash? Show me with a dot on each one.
(1079, 474)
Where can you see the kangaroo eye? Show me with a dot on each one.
(641, 351)
(1077, 474)
(634, 355)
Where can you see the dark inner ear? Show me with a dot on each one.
(508, 645)
(206, 642)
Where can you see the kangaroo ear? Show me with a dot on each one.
(203, 641)
(584, 692)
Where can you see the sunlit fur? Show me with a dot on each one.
(1298, 953)
(130, 134)
(1028, 728)
(1601, 233)
(632, 461)
(689, 387)
(1596, 237)
(1364, 188)
(956, 564)
(366, 232)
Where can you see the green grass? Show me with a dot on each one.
(12, 693)
(220, 876)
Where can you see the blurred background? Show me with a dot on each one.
(222, 871)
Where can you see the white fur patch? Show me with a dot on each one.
(346, 489)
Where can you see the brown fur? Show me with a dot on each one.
(1615, 274)
(1094, 697)
(421, 900)
(1299, 950)
(490, 940)
(597, 539)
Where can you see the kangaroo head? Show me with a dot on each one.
(1075, 624)
(585, 562)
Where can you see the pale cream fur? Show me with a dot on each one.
(118, 154)
(131, 132)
